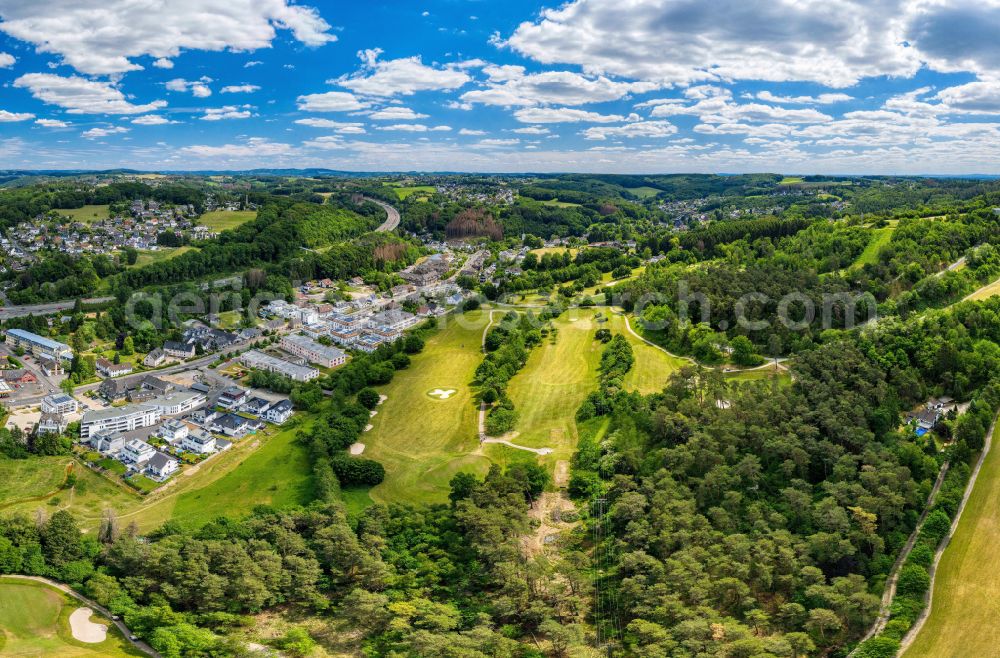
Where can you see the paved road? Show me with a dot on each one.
(392, 219)
(138, 644)
(8, 312)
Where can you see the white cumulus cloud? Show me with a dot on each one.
(106, 38)
(95, 133)
(331, 101)
(80, 95)
(405, 76)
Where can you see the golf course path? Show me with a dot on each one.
(914, 631)
(94, 605)
(889, 593)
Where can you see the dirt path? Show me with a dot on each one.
(889, 593)
(505, 442)
(911, 635)
(138, 644)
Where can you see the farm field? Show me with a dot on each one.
(223, 220)
(643, 192)
(541, 251)
(86, 214)
(403, 192)
(422, 440)
(550, 388)
(34, 621)
(559, 204)
(962, 623)
(652, 367)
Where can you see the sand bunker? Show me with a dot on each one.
(442, 393)
(357, 448)
(85, 630)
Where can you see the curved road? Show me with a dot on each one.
(392, 215)
(94, 605)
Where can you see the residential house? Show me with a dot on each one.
(255, 406)
(161, 466)
(233, 397)
(59, 403)
(307, 348)
(172, 431)
(51, 423)
(261, 361)
(199, 442)
(178, 403)
(233, 425)
(155, 358)
(118, 419)
(107, 443)
(279, 412)
(179, 350)
(110, 369)
(136, 451)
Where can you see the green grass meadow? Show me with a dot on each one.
(223, 220)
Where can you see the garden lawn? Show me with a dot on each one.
(223, 220)
(423, 441)
(34, 621)
(962, 623)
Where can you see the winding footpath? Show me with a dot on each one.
(94, 605)
(914, 631)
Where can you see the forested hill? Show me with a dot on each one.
(280, 231)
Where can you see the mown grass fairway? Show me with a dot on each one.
(963, 619)
(423, 441)
(223, 220)
(34, 621)
(782, 377)
(556, 380)
(880, 238)
(86, 214)
(652, 367)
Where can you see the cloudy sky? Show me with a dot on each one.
(794, 86)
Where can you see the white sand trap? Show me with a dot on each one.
(357, 448)
(86, 630)
(572, 319)
(382, 398)
(442, 393)
(368, 427)
(372, 413)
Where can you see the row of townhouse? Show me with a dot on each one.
(262, 361)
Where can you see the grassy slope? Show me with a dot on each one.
(276, 472)
(403, 192)
(422, 441)
(34, 621)
(223, 220)
(962, 622)
(146, 257)
(987, 291)
(643, 192)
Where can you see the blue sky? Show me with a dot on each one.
(886, 86)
